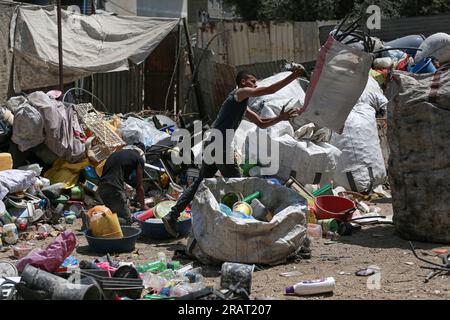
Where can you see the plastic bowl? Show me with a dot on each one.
(154, 228)
(332, 207)
(424, 66)
(105, 245)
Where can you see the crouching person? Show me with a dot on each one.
(111, 189)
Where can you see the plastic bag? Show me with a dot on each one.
(28, 128)
(134, 130)
(65, 172)
(12, 181)
(53, 256)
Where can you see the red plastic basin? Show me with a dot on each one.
(332, 207)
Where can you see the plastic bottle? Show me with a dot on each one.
(250, 198)
(173, 265)
(154, 281)
(180, 272)
(310, 287)
(179, 291)
(194, 275)
(153, 266)
(22, 224)
(192, 287)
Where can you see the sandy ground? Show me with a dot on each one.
(400, 274)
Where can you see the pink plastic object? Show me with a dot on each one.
(54, 94)
(314, 231)
(105, 266)
(53, 256)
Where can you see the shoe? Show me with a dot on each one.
(170, 223)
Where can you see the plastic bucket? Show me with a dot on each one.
(237, 275)
(332, 207)
(424, 66)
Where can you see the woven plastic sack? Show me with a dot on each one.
(339, 78)
(219, 237)
(419, 164)
(437, 45)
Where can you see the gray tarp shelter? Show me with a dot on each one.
(91, 44)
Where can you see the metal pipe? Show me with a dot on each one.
(60, 52)
(196, 84)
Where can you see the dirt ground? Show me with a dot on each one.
(400, 274)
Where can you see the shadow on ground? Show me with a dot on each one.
(385, 237)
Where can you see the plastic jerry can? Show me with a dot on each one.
(6, 162)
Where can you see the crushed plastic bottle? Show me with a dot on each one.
(154, 281)
(194, 275)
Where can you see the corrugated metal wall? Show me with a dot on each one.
(121, 92)
(142, 87)
(396, 28)
(239, 43)
(263, 70)
(159, 67)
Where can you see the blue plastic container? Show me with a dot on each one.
(154, 228)
(105, 245)
(424, 66)
(90, 174)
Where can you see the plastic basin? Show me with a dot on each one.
(424, 66)
(332, 207)
(154, 228)
(106, 245)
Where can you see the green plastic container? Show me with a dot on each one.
(326, 190)
(253, 196)
(153, 266)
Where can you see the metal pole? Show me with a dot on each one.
(196, 84)
(60, 52)
(93, 6)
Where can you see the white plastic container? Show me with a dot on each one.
(314, 231)
(10, 233)
(310, 287)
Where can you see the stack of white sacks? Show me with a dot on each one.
(315, 155)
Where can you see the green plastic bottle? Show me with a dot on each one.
(253, 196)
(174, 265)
(154, 266)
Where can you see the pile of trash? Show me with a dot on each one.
(52, 161)
(53, 158)
(54, 274)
